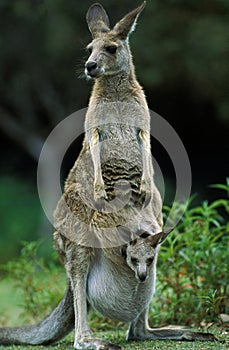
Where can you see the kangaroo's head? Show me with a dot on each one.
(109, 50)
(141, 253)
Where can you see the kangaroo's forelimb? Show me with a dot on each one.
(144, 138)
(99, 186)
(53, 328)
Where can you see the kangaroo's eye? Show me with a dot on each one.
(134, 261)
(111, 49)
(149, 261)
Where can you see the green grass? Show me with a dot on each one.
(118, 337)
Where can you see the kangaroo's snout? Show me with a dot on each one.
(92, 69)
(91, 66)
(142, 272)
(142, 277)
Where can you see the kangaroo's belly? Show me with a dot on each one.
(119, 150)
(116, 293)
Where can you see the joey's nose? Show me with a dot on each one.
(91, 66)
(142, 277)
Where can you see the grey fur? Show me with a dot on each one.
(109, 242)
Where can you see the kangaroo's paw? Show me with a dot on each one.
(169, 334)
(95, 344)
(145, 185)
(99, 192)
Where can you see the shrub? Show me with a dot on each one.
(193, 266)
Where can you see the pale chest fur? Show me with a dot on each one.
(130, 112)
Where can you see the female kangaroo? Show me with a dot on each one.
(108, 221)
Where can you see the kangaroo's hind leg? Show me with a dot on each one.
(77, 263)
(139, 330)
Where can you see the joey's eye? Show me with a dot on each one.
(111, 49)
(89, 50)
(149, 261)
(134, 261)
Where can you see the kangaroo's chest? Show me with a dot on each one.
(129, 113)
(115, 292)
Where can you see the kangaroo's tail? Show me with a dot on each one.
(53, 328)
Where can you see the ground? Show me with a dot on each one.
(119, 338)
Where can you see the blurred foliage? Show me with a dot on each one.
(192, 285)
(42, 53)
(186, 41)
(41, 286)
(193, 265)
(20, 215)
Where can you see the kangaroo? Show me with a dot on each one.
(109, 219)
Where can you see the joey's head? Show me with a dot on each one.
(109, 52)
(141, 254)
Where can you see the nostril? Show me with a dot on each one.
(91, 65)
(142, 277)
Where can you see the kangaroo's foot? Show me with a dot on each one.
(95, 344)
(169, 334)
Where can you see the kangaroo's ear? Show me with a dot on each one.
(133, 242)
(158, 238)
(124, 233)
(128, 23)
(97, 20)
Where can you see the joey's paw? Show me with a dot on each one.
(95, 344)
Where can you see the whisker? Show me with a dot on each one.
(80, 68)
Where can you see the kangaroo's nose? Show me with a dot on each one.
(91, 66)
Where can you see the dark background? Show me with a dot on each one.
(179, 50)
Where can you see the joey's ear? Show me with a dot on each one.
(127, 24)
(123, 251)
(158, 238)
(97, 20)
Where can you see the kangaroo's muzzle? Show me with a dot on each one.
(92, 70)
(142, 273)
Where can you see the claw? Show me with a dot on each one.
(145, 185)
(100, 192)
